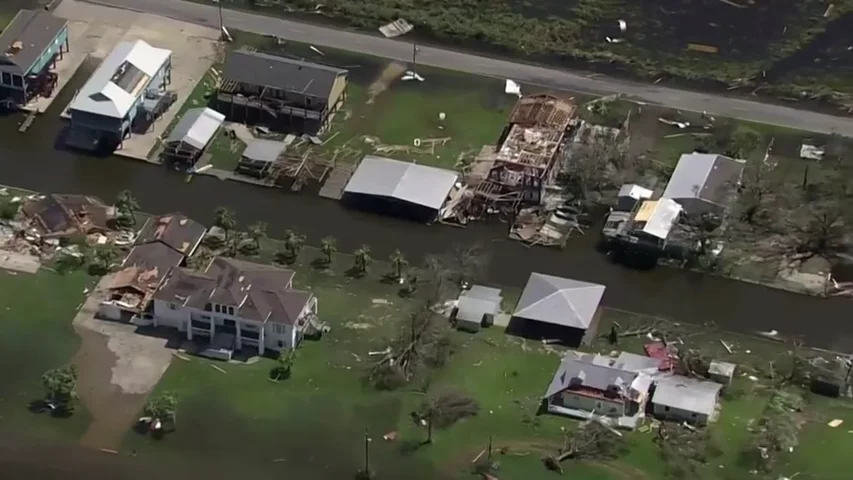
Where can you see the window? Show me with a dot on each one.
(230, 310)
(7, 79)
(665, 409)
(216, 308)
(18, 81)
(172, 306)
(308, 101)
(280, 344)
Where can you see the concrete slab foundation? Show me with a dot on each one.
(194, 49)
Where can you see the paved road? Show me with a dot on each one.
(545, 77)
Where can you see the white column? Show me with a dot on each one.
(189, 328)
(261, 340)
(212, 327)
(239, 342)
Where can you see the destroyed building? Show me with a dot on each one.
(524, 160)
(55, 216)
(282, 93)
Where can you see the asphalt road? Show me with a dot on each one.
(551, 78)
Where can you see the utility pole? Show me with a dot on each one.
(221, 22)
(366, 455)
(414, 56)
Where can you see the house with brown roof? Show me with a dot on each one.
(132, 287)
(176, 230)
(63, 215)
(163, 243)
(235, 304)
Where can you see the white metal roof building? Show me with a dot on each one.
(121, 80)
(685, 399)
(196, 128)
(405, 182)
(701, 182)
(657, 217)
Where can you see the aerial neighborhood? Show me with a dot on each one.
(363, 257)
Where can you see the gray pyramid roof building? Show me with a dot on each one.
(560, 301)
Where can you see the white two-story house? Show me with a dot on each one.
(253, 304)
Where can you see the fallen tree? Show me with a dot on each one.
(591, 441)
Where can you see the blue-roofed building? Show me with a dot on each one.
(30, 45)
(126, 85)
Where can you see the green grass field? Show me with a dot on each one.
(326, 404)
(36, 335)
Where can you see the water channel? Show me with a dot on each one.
(32, 160)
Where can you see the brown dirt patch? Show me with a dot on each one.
(112, 410)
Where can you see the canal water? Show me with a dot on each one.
(34, 160)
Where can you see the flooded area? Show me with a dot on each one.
(31, 160)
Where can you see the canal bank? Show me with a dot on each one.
(32, 160)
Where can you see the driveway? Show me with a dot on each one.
(118, 368)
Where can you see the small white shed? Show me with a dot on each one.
(474, 307)
(685, 400)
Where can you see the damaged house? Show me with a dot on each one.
(587, 384)
(163, 243)
(648, 225)
(55, 216)
(236, 304)
(526, 156)
(282, 93)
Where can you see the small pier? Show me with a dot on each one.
(28, 122)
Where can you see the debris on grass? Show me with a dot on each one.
(835, 422)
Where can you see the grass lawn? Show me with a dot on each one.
(389, 112)
(36, 335)
(824, 452)
(197, 98)
(407, 113)
(325, 406)
(225, 152)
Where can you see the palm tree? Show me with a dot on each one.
(258, 232)
(398, 262)
(232, 246)
(126, 207)
(162, 408)
(329, 246)
(224, 219)
(362, 258)
(293, 243)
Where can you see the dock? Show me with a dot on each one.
(27, 123)
(333, 187)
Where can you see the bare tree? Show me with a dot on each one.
(592, 440)
(423, 338)
(599, 163)
(758, 198)
(685, 450)
(820, 224)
